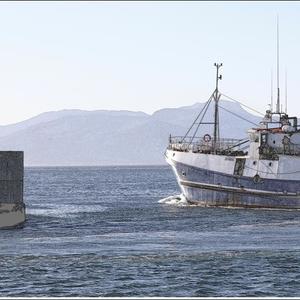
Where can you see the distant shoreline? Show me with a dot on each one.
(101, 166)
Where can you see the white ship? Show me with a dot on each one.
(260, 171)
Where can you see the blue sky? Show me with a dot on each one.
(142, 55)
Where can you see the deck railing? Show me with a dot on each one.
(198, 144)
(226, 146)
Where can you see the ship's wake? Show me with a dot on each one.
(176, 200)
(64, 210)
(181, 200)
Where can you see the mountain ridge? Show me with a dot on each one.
(104, 137)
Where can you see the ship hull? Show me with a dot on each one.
(211, 188)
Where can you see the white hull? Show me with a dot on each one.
(211, 180)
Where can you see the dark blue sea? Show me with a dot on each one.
(101, 231)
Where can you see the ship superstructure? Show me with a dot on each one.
(262, 170)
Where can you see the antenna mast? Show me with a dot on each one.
(271, 91)
(286, 91)
(278, 90)
(216, 115)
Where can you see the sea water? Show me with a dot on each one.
(127, 231)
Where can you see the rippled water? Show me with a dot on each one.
(105, 232)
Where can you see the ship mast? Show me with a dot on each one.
(278, 89)
(216, 98)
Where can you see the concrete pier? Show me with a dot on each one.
(12, 207)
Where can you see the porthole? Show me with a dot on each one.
(183, 173)
(254, 163)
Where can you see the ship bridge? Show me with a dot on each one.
(278, 134)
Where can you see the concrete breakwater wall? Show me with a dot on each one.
(12, 207)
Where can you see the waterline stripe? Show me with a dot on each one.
(221, 188)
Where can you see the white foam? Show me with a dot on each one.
(65, 210)
(176, 200)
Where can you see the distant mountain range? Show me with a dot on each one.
(103, 137)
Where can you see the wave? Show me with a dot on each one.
(62, 211)
(181, 200)
(176, 200)
(271, 224)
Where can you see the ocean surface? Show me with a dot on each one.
(104, 231)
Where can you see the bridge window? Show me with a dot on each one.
(263, 138)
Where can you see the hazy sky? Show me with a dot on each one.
(142, 55)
